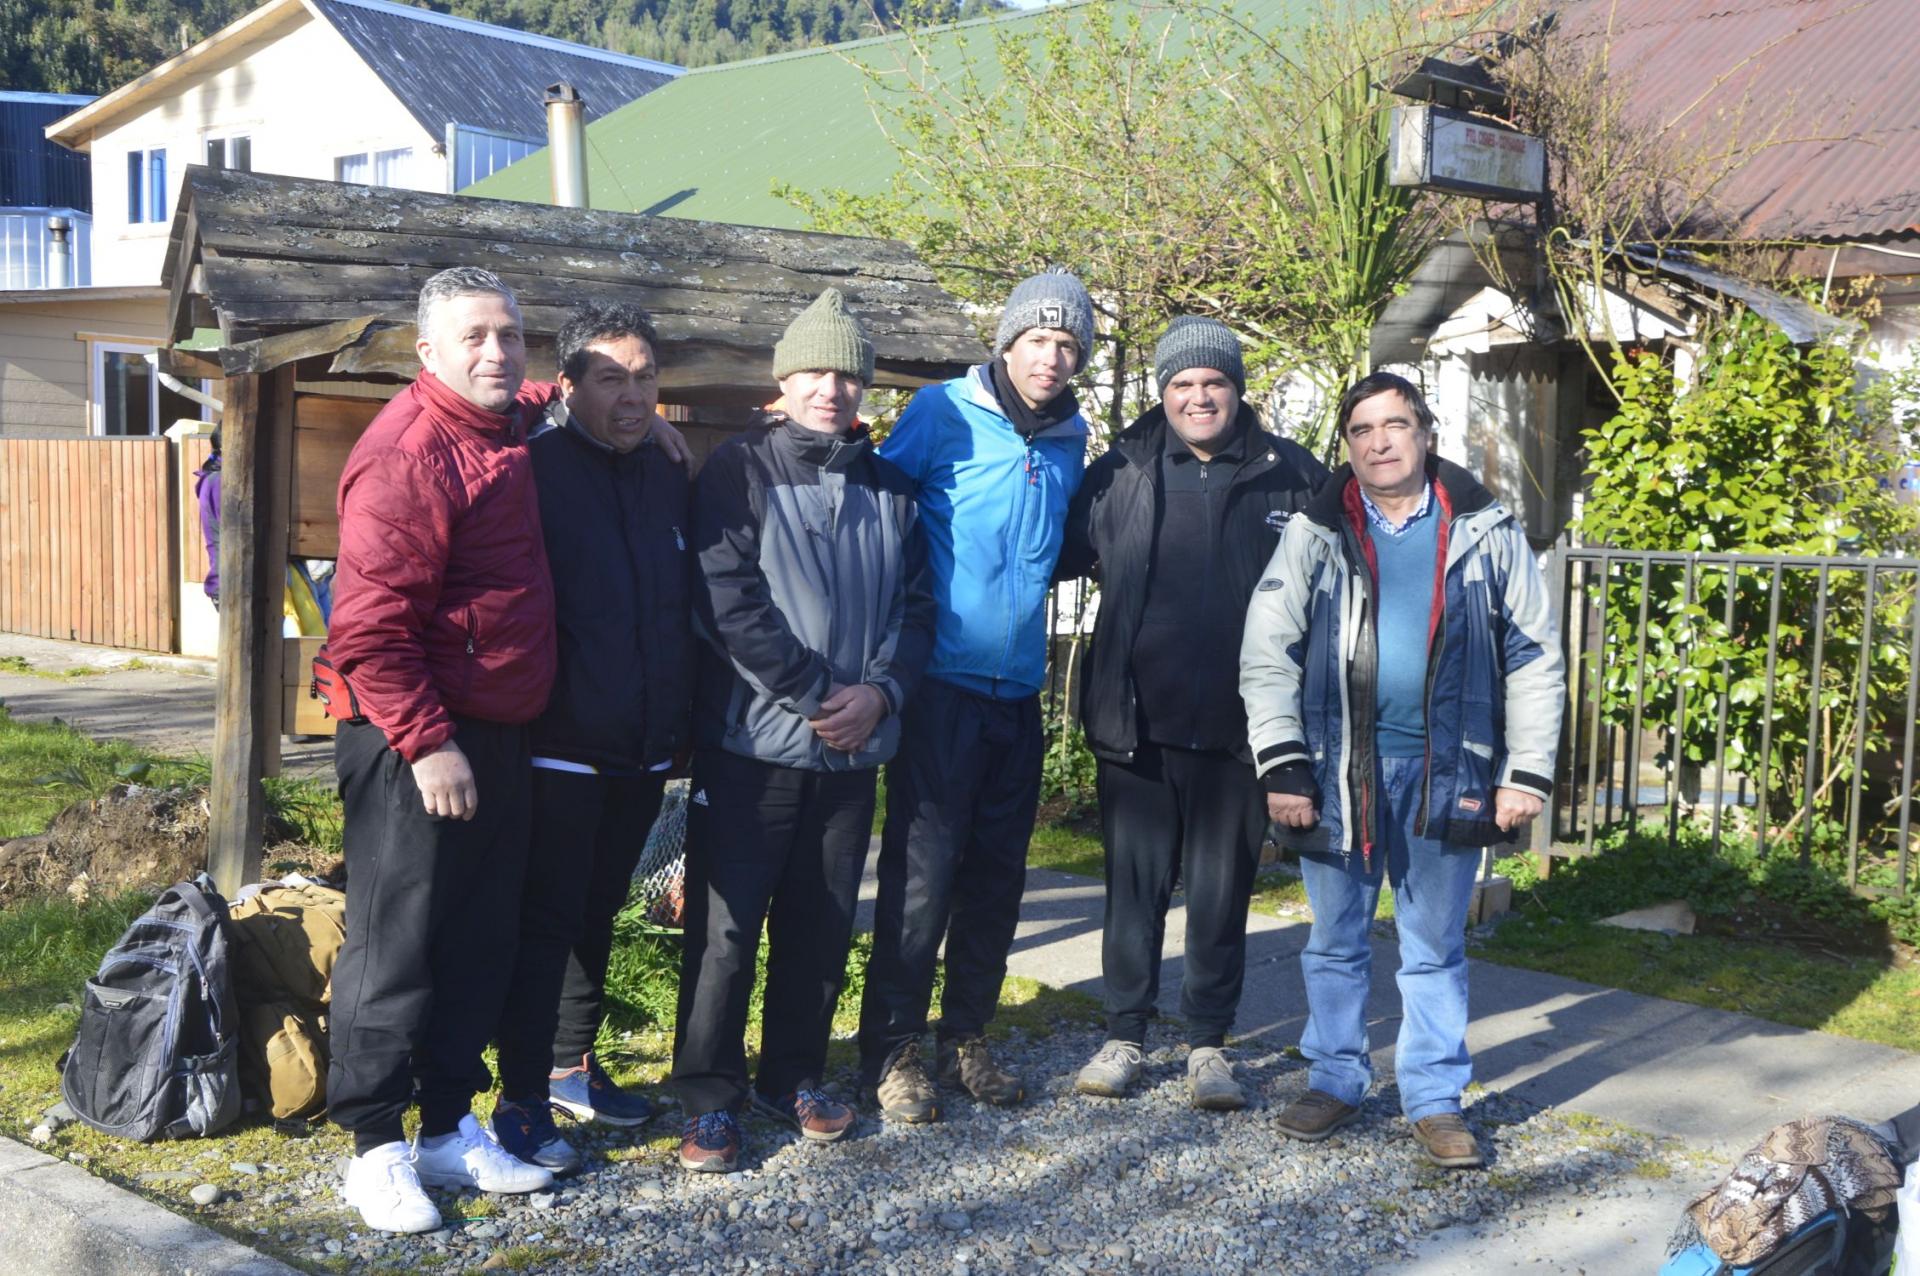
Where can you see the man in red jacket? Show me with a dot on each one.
(443, 628)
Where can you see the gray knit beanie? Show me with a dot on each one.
(1194, 342)
(1051, 299)
(824, 337)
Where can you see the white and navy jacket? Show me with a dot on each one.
(1495, 685)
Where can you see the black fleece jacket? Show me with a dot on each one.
(1110, 533)
(618, 540)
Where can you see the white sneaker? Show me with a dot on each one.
(1211, 1083)
(1112, 1071)
(383, 1186)
(470, 1158)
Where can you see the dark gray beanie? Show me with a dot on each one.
(1051, 299)
(1194, 342)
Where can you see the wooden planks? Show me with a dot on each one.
(87, 532)
(325, 428)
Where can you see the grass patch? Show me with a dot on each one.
(45, 766)
(20, 664)
(1859, 993)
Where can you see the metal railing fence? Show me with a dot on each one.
(1792, 679)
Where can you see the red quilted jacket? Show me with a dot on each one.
(442, 600)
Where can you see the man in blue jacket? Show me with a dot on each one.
(994, 456)
(1404, 688)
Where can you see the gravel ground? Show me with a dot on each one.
(1062, 1184)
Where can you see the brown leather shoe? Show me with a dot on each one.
(968, 1063)
(818, 1117)
(1314, 1115)
(1448, 1142)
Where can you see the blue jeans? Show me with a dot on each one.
(1432, 889)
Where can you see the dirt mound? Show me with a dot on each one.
(130, 838)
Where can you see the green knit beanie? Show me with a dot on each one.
(824, 337)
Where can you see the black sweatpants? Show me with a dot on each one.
(785, 847)
(1175, 815)
(588, 833)
(433, 907)
(962, 793)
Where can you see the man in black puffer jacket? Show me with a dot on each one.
(1177, 521)
(614, 512)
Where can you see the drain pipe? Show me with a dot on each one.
(180, 387)
(567, 145)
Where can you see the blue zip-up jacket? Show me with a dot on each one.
(993, 506)
(1496, 687)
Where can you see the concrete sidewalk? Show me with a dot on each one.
(1714, 1080)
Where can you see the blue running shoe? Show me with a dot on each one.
(526, 1131)
(588, 1093)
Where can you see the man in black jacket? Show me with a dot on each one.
(614, 513)
(1177, 521)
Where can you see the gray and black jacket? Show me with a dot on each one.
(813, 572)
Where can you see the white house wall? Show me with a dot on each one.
(304, 99)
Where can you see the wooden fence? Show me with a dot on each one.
(88, 530)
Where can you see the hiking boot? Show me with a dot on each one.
(710, 1143)
(1112, 1071)
(470, 1158)
(817, 1116)
(526, 1130)
(1448, 1142)
(1315, 1115)
(1211, 1084)
(382, 1185)
(906, 1093)
(968, 1063)
(589, 1093)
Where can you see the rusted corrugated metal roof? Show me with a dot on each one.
(1831, 82)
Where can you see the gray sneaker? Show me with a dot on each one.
(1210, 1081)
(1112, 1070)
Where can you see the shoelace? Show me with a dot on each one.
(1119, 1052)
(713, 1129)
(807, 1103)
(1214, 1063)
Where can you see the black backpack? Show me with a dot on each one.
(158, 1049)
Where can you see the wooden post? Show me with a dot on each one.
(256, 437)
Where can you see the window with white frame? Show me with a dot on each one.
(147, 185)
(129, 398)
(235, 153)
(376, 168)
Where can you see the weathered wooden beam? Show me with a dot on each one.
(395, 252)
(266, 211)
(253, 566)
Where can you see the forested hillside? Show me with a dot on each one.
(91, 46)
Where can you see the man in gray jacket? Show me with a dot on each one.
(1404, 689)
(817, 617)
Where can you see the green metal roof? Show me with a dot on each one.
(711, 144)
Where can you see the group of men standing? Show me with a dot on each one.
(537, 625)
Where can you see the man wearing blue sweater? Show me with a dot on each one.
(994, 457)
(1404, 688)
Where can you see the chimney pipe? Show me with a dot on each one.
(567, 145)
(60, 252)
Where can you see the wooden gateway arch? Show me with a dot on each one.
(312, 285)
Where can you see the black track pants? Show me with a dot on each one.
(961, 797)
(588, 833)
(1175, 815)
(433, 909)
(779, 846)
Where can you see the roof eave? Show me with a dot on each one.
(77, 130)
